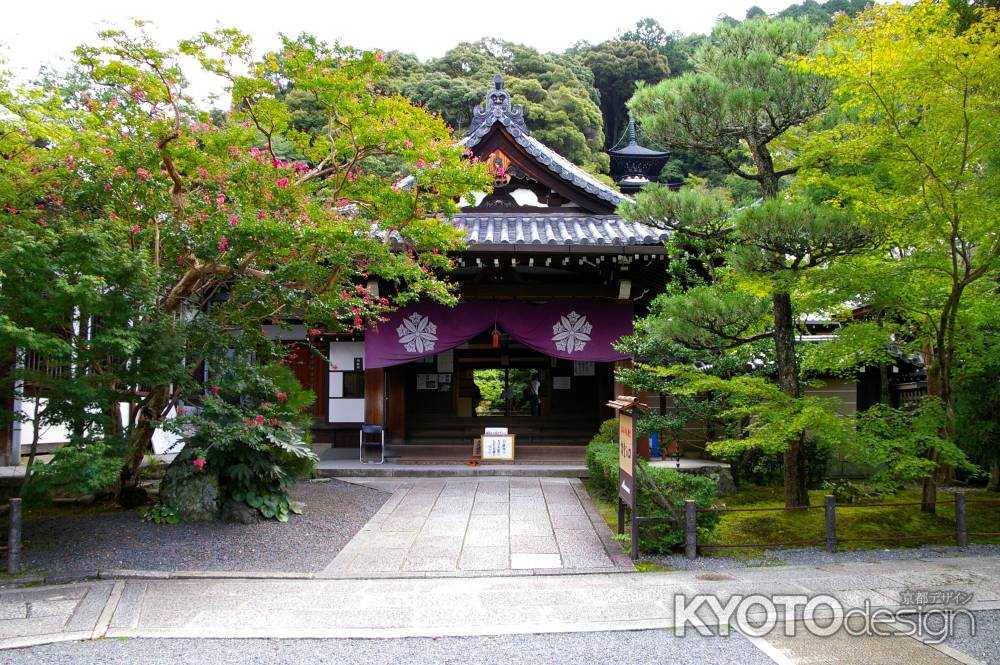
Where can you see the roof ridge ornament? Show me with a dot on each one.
(497, 107)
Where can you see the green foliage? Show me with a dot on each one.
(617, 66)
(849, 491)
(602, 465)
(161, 514)
(906, 445)
(560, 103)
(768, 418)
(168, 227)
(742, 92)
(248, 432)
(676, 487)
(76, 470)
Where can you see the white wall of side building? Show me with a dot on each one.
(163, 442)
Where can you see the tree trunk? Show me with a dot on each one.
(36, 434)
(937, 386)
(795, 469)
(994, 484)
(142, 436)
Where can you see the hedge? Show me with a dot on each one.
(676, 487)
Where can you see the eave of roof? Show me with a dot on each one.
(549, 158)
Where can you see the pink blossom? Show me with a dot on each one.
(203, 172)
(314, 332)
(282, 397)
(282, 182)
(342, 202)
(380, 57)
(420, 163)
(357, 322)
(215, 390)
(198, 463)
(42, 222)
(434, 251)
(259, 419)
(408, 143)
(261, 215)
(107, 186)
(136, 229)
(234, 220)
(220, 199)
(224, 244)
(255, 151)
(275, 422)
(143, 174)
(350, 176)
(383, 301)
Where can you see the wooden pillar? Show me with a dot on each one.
(375, 396)
(396, 403)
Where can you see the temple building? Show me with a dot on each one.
(550, 278)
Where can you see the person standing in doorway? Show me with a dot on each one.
(535, 395)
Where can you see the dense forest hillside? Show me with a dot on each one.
(575, 100)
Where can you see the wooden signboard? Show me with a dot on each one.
(498, 447)
(627, 408)
(626, 457)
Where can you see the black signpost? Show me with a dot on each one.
(626, 406)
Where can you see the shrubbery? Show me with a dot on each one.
(251, 431)
(75, 471)
(676, 487)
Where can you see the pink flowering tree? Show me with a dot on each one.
(238, 217)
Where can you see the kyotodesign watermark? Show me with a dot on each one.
(931, 615)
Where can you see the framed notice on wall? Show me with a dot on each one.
(427, 381)
(498, 447)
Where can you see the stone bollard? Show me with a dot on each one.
(961, 530)
(14, 538)
(690, 529)
(830, 513)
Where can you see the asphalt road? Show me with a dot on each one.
(622, 648)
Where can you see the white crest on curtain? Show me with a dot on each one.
(571, 333)
(417, 333)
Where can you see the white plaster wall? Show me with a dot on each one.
(163, 442)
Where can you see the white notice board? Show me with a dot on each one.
(498, 447)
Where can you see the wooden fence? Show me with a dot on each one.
(830, 540)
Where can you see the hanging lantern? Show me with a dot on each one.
(496, 338)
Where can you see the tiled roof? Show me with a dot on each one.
(554, 229)
(498, 109)
(548, 157)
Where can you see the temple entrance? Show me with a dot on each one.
(450, 398)
(505, 392)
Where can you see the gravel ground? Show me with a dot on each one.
(622, 648)
(813, 556)
(84, 544)
(984, 646)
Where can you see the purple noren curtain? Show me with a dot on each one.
(570, 329)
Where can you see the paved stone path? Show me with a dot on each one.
(463, 606)
(481, 526)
